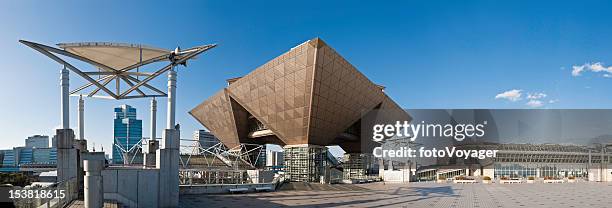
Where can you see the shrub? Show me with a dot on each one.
(571, 177)
(461, 177)
(441, 178)
(504, 178)
(486, 178)
(531, 178)
(16, 179)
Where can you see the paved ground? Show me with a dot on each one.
(422, 195)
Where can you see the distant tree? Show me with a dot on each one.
(16, 179)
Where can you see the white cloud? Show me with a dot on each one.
(576, 70)
(607, 75)
(535, 96)
(534, 103)
(511, 95)
(534, 99)
(594, 67)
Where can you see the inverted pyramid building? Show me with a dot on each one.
(308, 95)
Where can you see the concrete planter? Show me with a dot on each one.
(553, 181)
(509, 181)
(464, 181)
(486, 181)
(571, 180)
(441, 181)
(530, 181)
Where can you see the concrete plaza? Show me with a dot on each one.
(581, 194)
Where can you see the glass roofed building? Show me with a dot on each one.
(524, 161)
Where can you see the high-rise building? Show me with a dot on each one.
(54, 141)
(205, 138)
(127, 132)
(37, 141)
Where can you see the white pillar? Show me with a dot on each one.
(65, 101)
(81, 118)
(171, 98)
(168, 157)
(93, 190)
(153, 118)
(167, 161)
(66, 155)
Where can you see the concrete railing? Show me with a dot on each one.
(131, 187)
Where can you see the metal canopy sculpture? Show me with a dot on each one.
(117, 62)
(121, 63)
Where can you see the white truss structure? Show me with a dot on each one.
(131, 152)
(130, 75)
(232, 157)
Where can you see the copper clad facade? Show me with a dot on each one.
(308, 95)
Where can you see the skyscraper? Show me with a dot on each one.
(37, 141)
(127, 131)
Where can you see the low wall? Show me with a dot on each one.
(396, 176)
(132, 187)
(260, 176)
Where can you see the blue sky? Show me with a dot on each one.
(429, 54)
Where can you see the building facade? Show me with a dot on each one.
(205, 139)
(54, 141)
(37, 141)
(8, 158)
(127, 132)
(523, 161)
(24, 157)
(274, 158)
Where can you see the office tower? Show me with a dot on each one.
(127, 132)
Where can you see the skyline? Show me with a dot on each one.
(495, 54)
